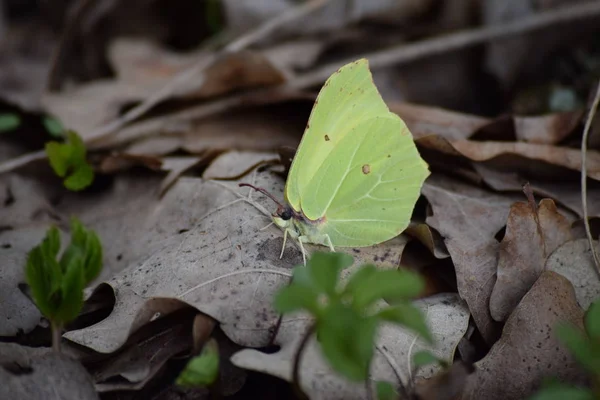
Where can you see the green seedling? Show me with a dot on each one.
(57, 283)
(9, 122)
(202, 370)
(68, 160)
(346, 317)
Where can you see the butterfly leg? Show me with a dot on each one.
(285, 233)
(328, 239)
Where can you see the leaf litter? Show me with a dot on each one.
(180, 248)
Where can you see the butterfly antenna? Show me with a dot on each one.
(263, 191)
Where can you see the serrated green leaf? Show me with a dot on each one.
(386, 391)
(424, 357)
(409, 316)
(396, 284)
(82, 177)
(579, 345)
(296, 297)
(203, 370)
(592, 320)
(559, 391)
(324, 270)
(93, 257)
(54, 127)
(347, 341)
(9, 121)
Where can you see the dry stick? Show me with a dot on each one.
(455, 41)
(584, 140)
(179, 80)
(398, 55)
(297, 357)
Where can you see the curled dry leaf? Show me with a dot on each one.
(574, 261)
(222, 264)
(447, 318)
(529, 351)
(468, 218)
(428, 237)
(565, 193)
(425, 121)
(531, 236)
(529, 152)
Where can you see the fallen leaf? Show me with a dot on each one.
(41, 376)
(424, 121)
(529, 351)
(142, 69)
(574, 261)
(468, 219)
(222, 264)
(446, 315)
(531, 236)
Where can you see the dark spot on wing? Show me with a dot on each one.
(366, 169)
(327, 138)
(389, 155)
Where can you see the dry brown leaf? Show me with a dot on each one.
(447, 317)
(546, 129)
(468, 218)
(142, 69)
(529, 351)
(531, 236)
(574, 261)
(542, 154)
(34, 374)
(426, 121)
(428, 237)
(202, 245)
(566, 193)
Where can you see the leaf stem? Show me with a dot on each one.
(56, 336)
(297, 357)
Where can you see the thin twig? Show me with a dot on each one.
(584, 140)
(456, 41)
(56, 336)
(297, 357)
(396, 56)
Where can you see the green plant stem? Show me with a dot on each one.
(297, 357)
(56, 336)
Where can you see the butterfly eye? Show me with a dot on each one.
(286, 215)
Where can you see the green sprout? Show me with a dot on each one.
(68, 160)
(347, 316)
(57, 284)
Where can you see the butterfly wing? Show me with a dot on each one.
(348, 97)
(369, 183)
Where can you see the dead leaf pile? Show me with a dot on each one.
(190, 256)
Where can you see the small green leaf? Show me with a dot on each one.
(559, 391)
(81, 178)
(9, 121)
(43, 275)
(71, 292)
(409, 316)
(324, 269)
(68, 160)
(58, 156)
(347, 341)
(296, 297)
(424, 357)
(386, 391)
(396, 284)
(592, 320)
(359, 277)
(54, 127)
(203, 370)
(579, 345)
